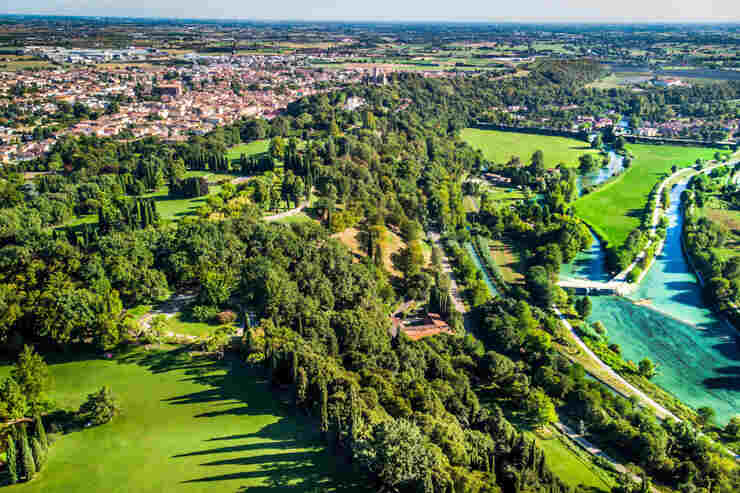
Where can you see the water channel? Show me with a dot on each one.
(481, 268)
(697, 355)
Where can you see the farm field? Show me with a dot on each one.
(499, 147)
(187, 424)
(616, 208)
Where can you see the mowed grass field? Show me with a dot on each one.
(571, 466)
(508, 260)
(499, 147)
(616, 208)
(256, 147)
(187, 425)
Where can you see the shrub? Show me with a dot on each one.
(226, 317)
(204, 313)
(100, 407)
(634, 274)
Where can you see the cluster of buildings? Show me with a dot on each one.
(91, 55)
(432, 324)
(684, 127)
(171, 103)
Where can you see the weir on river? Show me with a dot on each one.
(697, 355)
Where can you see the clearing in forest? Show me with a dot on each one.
(250, 149)
(499, 146)
(391, 243)
(508, 261)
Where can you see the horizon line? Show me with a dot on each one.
(377, 20)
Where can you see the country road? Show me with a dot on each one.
(659, 410)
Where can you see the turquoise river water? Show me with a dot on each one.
(696, 353)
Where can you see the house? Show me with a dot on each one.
(431, 325)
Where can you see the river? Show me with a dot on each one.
(697, 355)
(599, 176)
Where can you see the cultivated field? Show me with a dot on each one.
(616, 208)
(187, 425)
(499, 147)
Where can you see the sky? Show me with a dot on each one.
(393, 10)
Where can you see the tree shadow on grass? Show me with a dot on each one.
(285, 455)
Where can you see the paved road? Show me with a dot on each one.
(447, 268)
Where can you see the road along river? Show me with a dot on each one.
(696, 353)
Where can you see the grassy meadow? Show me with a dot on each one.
(572, 465)
(499, 147)
(188, 424)
(508, 260)
(256, 147)
(616, 208)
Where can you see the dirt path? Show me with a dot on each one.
(291, 212)
(447, 268)
(589, 447)
(169, 308)
(626, 386)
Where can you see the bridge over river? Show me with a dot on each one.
(585, 286)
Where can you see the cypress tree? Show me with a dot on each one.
(40, 432)
(323, 405)
(12, 456)
(39, 454)
(28, 466)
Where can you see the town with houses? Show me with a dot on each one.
(225, 89)
(141, 91)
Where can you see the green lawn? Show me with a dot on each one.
(172, 208)
(181, 324)
(507, 258)
(187, 425)
(256, 147)
(616, 208)
(573, 467)
(503, 196)
(471, 203)
(499, 147)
